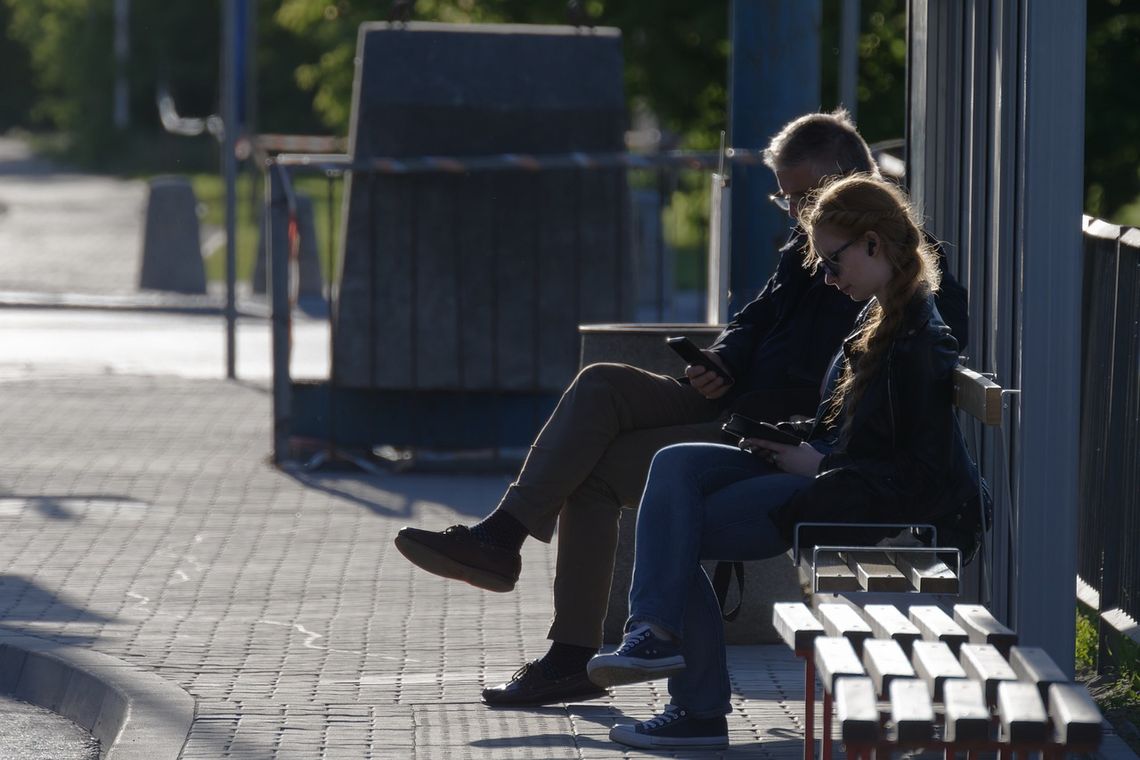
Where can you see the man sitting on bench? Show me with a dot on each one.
(592, 456)
(884, 447)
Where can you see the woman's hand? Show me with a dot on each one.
(798, 460)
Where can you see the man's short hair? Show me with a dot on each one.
(828, 142)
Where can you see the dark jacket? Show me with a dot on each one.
(785, 338)
(902, 460)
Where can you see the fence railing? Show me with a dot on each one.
(404, 213)
(1109, 513)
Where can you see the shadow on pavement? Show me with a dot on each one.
(22, 600)
(403, 495)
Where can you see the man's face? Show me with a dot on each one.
(795, 183)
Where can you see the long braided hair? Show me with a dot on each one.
(856, 205)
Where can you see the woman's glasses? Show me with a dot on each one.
(830, 263)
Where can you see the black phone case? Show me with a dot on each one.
(745, 427)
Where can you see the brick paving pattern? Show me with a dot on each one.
(140, 517)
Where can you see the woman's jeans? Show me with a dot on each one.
(702, 501)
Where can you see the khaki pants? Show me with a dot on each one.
(590, 460)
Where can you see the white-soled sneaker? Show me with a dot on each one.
(673, 728)
(642, 656)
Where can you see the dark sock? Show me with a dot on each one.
(565, 659)
(500, 529)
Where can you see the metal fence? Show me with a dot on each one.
(650, 187)
(1109, 525)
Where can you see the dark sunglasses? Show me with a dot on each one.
(830, 263)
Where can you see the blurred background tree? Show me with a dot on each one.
(56, 72)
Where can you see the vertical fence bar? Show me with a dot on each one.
(275, 256)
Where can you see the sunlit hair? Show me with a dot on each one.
(854, 206)
(827, 142)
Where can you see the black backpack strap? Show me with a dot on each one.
(722, 578)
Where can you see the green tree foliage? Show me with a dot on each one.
(1112, 108)
(15, 77)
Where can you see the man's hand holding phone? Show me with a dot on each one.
(706, 372)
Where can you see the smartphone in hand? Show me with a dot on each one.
(688, 351)
(743, 427)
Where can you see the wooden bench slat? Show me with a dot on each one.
(876, 573)
(835, 658)
(934, 663)
(843, 620)
(984, 663)
(885, 661)
(888, 623)
(1033, 664)
(967, 716)
(912, 714)
(936, 625)
(1076, 717)
(1021, 713)
(830, 572)
(977, 395)
(796, 625)
(984, 628)
(856, 710)
(926, 573)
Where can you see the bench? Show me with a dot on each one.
(897, 567)
(962, 685)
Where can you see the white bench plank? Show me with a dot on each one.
(888, 623)
(967, 717)
(984, 628)
(1034, 665)
(885, 661)
(936, 625)
(856, 710)
(984, 663)
(912, 714)
(831, 573)
(926, 573)
(876, 572)
(934, 663)
(1076, 717)
(796, 625)
(843, 620)
(1021, 713)
(835, 658)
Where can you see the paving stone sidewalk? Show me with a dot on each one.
(139, 517)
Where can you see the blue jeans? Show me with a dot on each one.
(702, 501)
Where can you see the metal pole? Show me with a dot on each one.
(849, 57)
(229, 171)
(773, 78)
(276, 256)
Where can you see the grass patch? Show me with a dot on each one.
(210, 192)
(1117, 691)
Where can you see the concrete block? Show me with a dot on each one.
(172, 247)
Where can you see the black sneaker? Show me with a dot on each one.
(641, 657)
(673, 728)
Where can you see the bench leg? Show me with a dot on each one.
(826, 752)
(809, 708)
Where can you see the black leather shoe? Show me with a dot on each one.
(530, 687)
(456, 553)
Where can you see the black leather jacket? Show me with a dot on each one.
(903, 459)
(785, 338)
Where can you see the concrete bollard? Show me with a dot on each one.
(309, 264)
(172, 245)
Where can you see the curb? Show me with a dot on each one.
(153, 302)
(135, 714)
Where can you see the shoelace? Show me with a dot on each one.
(633, 639)
(672, 713)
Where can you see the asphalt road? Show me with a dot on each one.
(28, 732)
